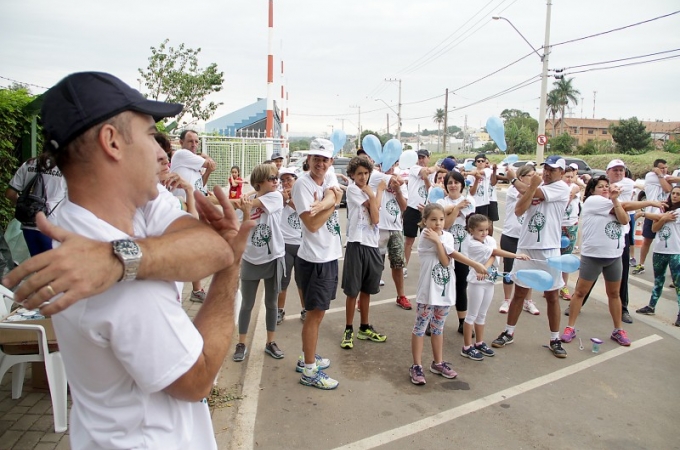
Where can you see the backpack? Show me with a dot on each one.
(31, 201)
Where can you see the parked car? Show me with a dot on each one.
(584, 168)
(514, 166)
(340, 167)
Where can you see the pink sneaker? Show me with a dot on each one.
(568, 335)
(443, 369)
(621, 337)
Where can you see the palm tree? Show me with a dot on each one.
(553, 105)
(439, 120)
(567, 94)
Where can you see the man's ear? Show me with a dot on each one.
(110, 140)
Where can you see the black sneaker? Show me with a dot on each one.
(625, 317)
(677, 322)
(472, 353)
(484, 349)
(273, 350)
(281, 313)
(303, 315)
(557, 350)
(646, 310)
(240, 353)
(502, 340)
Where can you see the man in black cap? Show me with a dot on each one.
(137, 367)
(277, 160)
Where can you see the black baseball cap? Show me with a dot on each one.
(82, 100)
(423, 152)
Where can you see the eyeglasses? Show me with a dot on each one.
(481, 161)
(272, 178)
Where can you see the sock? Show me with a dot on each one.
(617, 329)
(364, 326)
(466, 347)
(554, 335)
(309, 368)
(477, 344)
(510, 329)
(349, 327)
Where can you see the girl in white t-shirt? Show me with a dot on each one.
(570, 220)
(263, 258)
(436, 292)
(666, 251)
(481, 248)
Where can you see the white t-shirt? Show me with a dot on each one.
(481, 252)
(541, 228)
(265, 242)
(483, 194)
(676, 173)
(390, 212)
(55, 184)
(512, 224)
(325, 245)
(458, 229)
(654, 191)
(188, 166)
(290, 226)
(570, 216)
(493, 196)
(359, 227)
(121, 348)
(602, 236)
(436, 283)
(667, 239)
(627, 189)
(417, 192)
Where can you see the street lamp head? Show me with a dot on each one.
(496, 17)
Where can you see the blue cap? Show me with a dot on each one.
(556, 162)
(449, 164)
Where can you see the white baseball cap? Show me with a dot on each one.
(321, 147)
(555, 161)
(287, 171)
(616, 163)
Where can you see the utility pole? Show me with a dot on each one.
(594, 95)
(343, 124)
(446, 116)
(391, 80)
(544, 84)
(465, 133)
(358, 125)
(418, 138)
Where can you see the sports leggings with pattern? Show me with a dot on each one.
(434, 315)
(661, 262)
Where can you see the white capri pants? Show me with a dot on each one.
(479, 301)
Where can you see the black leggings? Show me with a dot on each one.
(461, 270)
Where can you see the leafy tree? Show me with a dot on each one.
(671, 147)
(553, 105)
(297, 145)
(453, 129)
(596, 147)
(489, 147)
(262, 235)
(613, 231)
(441, 276)
(631, 136)
(509, 114)
(439, 120)
(562, 144)
(536, 224)
(520, 139)
(566, 94)
(173, 76)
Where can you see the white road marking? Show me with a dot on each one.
(438, 419)
(342, 308)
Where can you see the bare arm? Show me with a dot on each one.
(531, 192)
(313, 223)
(477, 267)
(215, 320)
(619, 211)
(443, 257)
(12, 196)
(398, 195)
(662, 220)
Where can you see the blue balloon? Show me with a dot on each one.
(436, 193)
(371, 144)
(564, 242)
(535, 279)
(495, 128)
(565, 263)
(390, 154)
(511, 159)
(338, 138)
(469, 165)
(408, 159)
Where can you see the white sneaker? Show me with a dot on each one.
(382, 282)
(530, 307)
(505, 306)
(405, 272)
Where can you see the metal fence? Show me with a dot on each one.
(244, 152)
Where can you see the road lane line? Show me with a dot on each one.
(439, 419)
(342, 308)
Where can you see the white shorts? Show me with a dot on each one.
(518, 265)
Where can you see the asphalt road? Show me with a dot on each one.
(619, 398)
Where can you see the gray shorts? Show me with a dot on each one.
(591, 268)
(362, 270)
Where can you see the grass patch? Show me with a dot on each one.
(222, 398)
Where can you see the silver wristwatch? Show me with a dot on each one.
(130, 255)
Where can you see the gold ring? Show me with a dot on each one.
(51, 291)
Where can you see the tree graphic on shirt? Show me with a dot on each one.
(613, 231)
(392, 208)
(332, 224)
(568, 210)
(459, 234)
(294, 221)
(665, 234)
(422, 192)
(441, 276)
(520, 219)
(262, 235)
(536, 224)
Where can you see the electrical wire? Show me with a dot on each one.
(594, 69)
(23, 83)
(623, 59)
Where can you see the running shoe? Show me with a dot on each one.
(403, 303)
(347, 339)
(273, 350)
(417, 375)
(303, 315)
(646, 310)
(281, 313)
(556, 349)
(472, 353)
(319, 379)
(406, 276)
(502, 340)
(484, 349)
(568, 335)
(638, 269)
(370, 334)
(382, 282)
(444, 369)
(240, 352)
(564, 293)
(621, 337)
(632, 262)
(505, 306)
(321, 363)
(625, 317)
(530, 307)
(198, 296)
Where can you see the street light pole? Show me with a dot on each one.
(544, 75)
(358, 126)
(398, 107)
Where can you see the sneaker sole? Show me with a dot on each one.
(502, 311)
(347, 345)
(417, 383)
(495, 345)
(370, 338)
(469, 357)
(407, 308)
(646, 313)
(619, 342)
(274, 355)
(323, 388)
(537, 313)
(450, 377)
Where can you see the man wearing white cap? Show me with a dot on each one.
(316, 268)
(543, 200)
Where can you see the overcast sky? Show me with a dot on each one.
(337, 53)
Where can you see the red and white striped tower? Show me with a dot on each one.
(270, 80)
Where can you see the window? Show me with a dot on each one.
(604, 131)
(591, 131)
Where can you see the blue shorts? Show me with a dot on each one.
(647, 229)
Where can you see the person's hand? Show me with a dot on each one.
(536, 180)
(523, 257)
(494, 168)
(481, 271)
(225, 221)
(60, 275)
(659, 173)
(287, 195)
(172, 181)
(396, 182)
(245, 205)
(661, 205)
(315, 207)
(510, 174)
(430, 235)
(421, 207)
(338, 194)
(614, 192)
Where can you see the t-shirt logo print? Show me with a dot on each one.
(422, 192)
(294, 221)
(262, 234)
(332, 224)
(613, 231)
(459, 234)
(536, 224)
(198, 185)
(392, 208)
(665, 234)
(568, 210)
(441, 276)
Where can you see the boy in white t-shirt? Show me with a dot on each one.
(363, 263)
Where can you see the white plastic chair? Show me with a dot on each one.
(54, 366)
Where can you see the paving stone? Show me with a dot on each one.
(18, 409)
(32, 398)
(4, 425)
(44, 423)
(11, 416)
(9, 438)
(45, 446)
(40, 408)
(28, 440)
(52, 437)
(25, 422)
(64, 444)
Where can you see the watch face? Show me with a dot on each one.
(127, 248)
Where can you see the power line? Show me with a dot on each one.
(625, 65)
(623, 59)
(25, 84)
